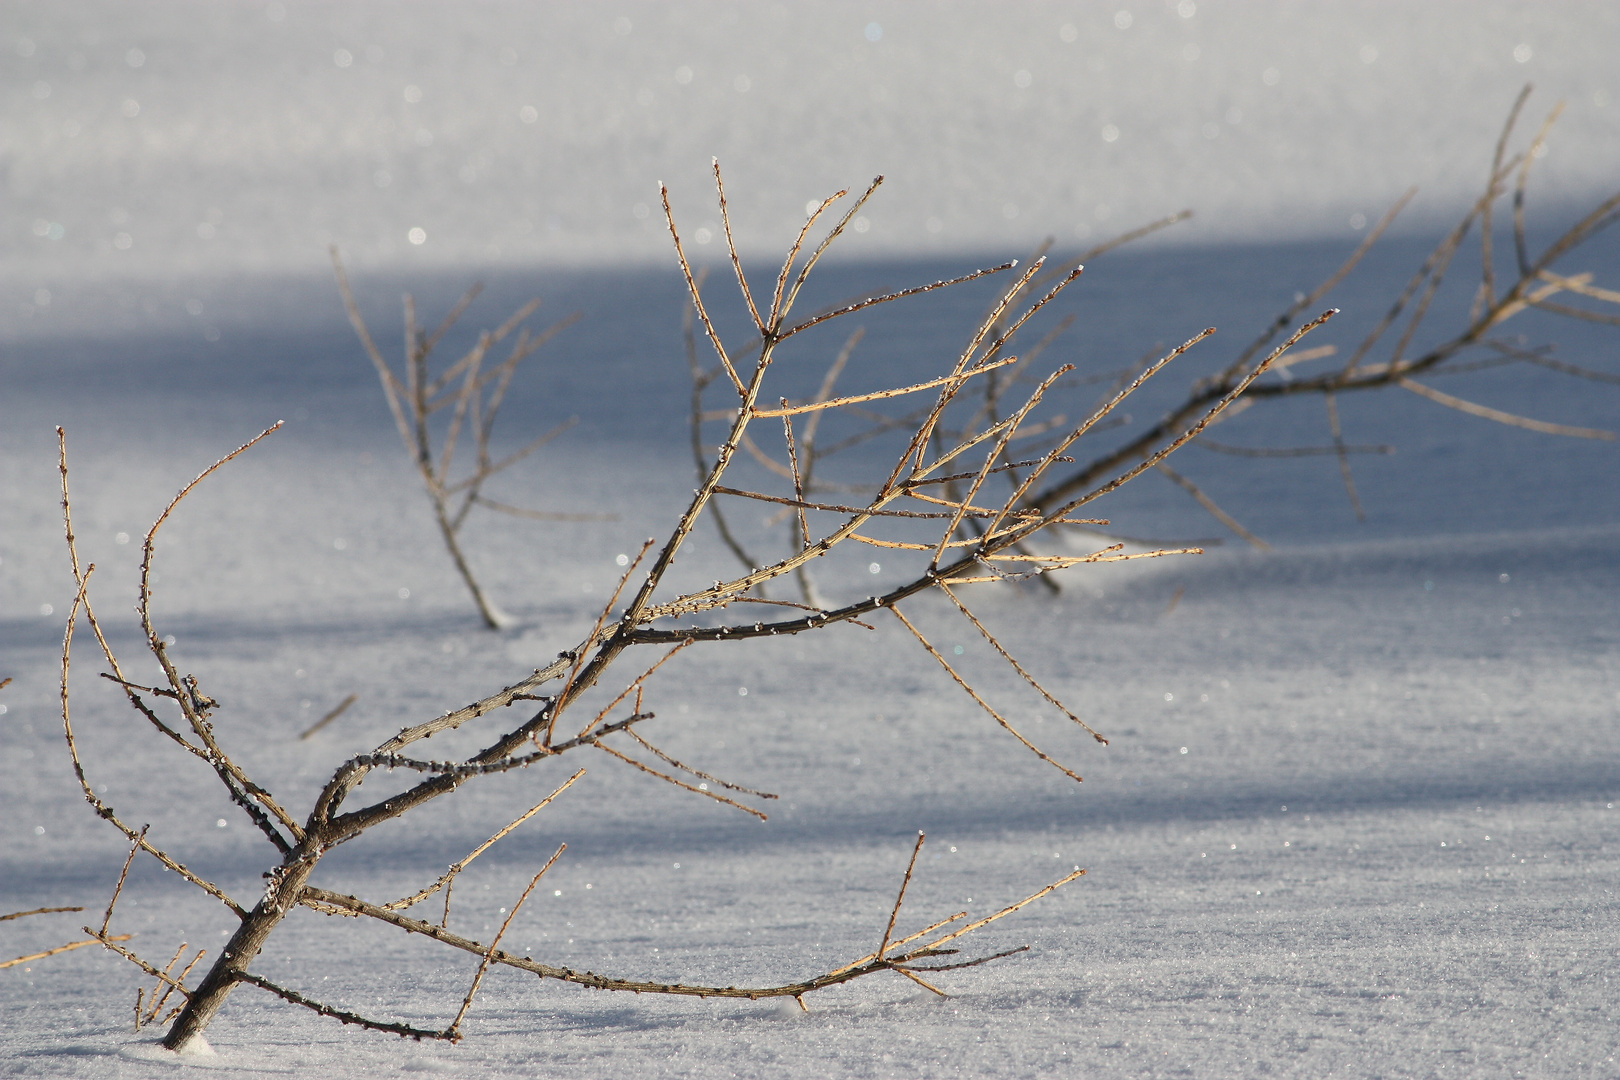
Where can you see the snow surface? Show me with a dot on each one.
(1357, 816)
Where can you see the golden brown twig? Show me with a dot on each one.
(337, 711)
(449, 876)
(63, 948)
(983, 704)
(466, 1003)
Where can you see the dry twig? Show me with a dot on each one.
(416, 396)
(1533, 286)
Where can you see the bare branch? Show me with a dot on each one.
(1579, 313)
(486, 471)
(879, 395)
(45, 911)
(1555, 365)
(1521, 249)
(728, 785)
(869, 965)
(1510, 419)
(1209, 504)
(1488, 285)
(1016, 666)
(456, 868)
(192, 705)
(110, 942)
(983, 704)
(959, 534)
(778, 313)
(338, 711)
(717, 797)
(122, 876)
(635, 687)
(579, 660)
(63, 948)
(731, 246)
(1289, 451)
(900, 897)
(810, 264)
(1004, 912)
(450, 320)
(393, 389)
(887, 297)
(697, 296)
(342, 1015)
(101, 808)
(455, 1025)
(1343, 453)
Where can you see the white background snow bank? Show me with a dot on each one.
(1383, 682)
(515, 133)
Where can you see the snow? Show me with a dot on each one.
(1358, 810)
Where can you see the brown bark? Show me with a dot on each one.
(244, 947)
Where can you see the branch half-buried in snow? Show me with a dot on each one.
(896, 957)
(933, 450)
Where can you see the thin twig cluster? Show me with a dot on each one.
(1388, 355)
(1373, 363)
(474, 393)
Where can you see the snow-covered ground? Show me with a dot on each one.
(1357, 816)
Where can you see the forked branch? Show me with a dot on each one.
(898, 955)
(414, 397)
(945, 454)
(1496, 300)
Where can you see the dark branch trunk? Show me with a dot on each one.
(244, 947)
